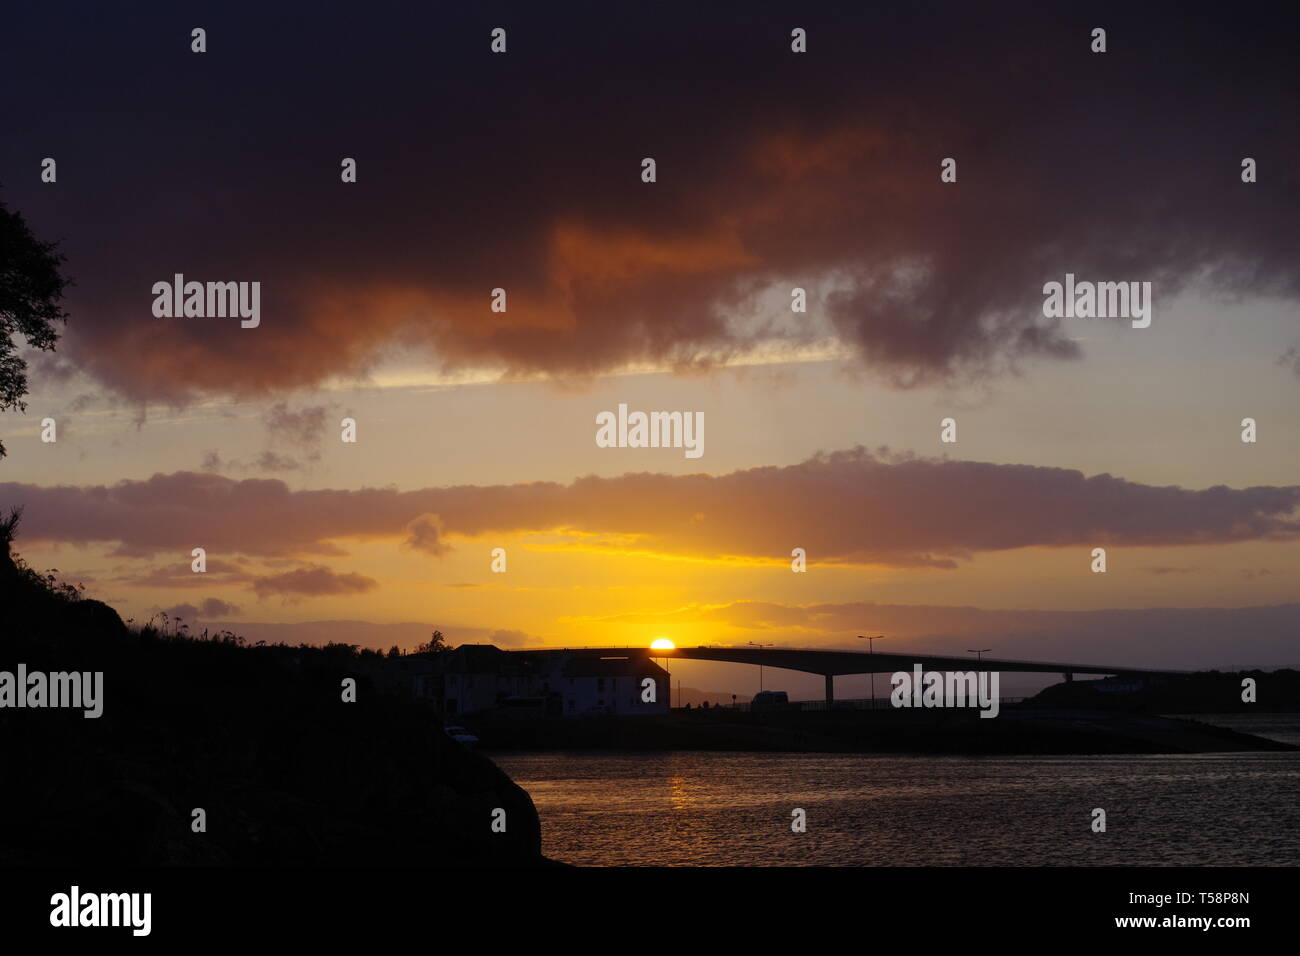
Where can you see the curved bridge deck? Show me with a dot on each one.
(833, 663)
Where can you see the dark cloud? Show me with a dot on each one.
(509, 638)
(847, 507)
(302, 428)
(426, 534)
(182, 575)
(522, 171)
(209, 609)
(269, 461)
(315, 581)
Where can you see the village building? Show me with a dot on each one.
(475, 678)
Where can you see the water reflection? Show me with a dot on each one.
(734, 808)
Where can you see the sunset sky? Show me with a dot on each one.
(476, 429)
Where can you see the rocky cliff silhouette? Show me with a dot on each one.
(257, 737)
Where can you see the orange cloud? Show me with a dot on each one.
(849, 507)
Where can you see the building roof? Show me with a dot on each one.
(475, 659)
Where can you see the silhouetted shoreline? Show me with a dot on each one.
(1014, 731)
(259, 738)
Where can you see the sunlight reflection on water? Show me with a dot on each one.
(734, 808)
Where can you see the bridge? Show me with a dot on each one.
(831, 664)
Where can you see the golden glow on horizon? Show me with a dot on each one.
(662, 644)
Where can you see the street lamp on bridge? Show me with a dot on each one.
(979, 655)
(760, 664)
(871, 649)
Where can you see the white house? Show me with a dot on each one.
(479, 677)
(608, 685)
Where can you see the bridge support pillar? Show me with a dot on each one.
(1069, 675)
(830, 691)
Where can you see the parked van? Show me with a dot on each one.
(770, 700)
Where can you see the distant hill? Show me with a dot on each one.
(1207, 692)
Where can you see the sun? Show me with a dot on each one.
(662, 644)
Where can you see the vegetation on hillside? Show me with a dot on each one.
(257, 736)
